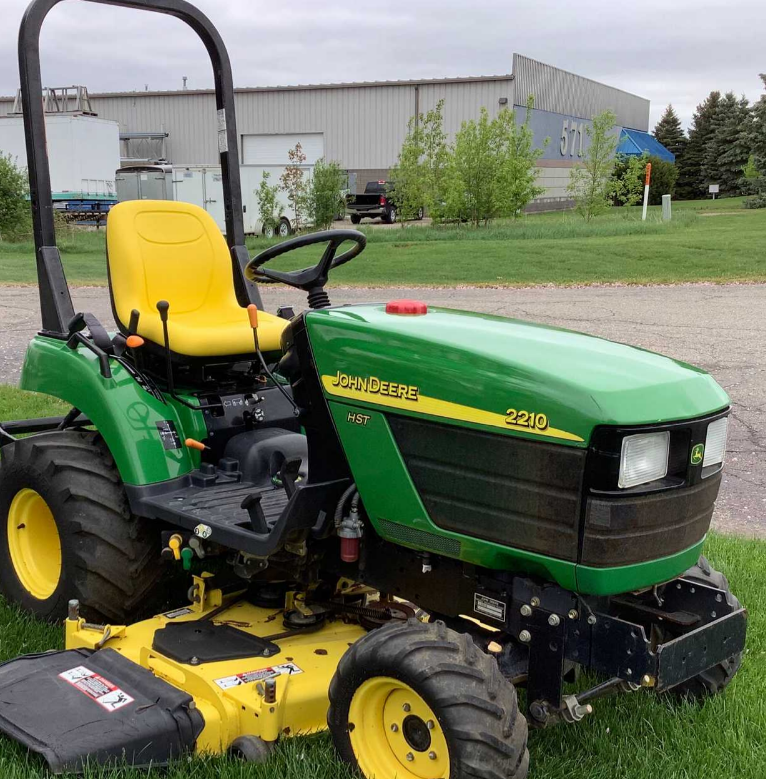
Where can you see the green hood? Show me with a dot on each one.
(494, 364)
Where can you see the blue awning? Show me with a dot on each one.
(634, 142)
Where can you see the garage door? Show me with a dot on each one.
(272, 149)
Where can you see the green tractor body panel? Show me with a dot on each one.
(490, 364)
(129, 418)
(393, 382)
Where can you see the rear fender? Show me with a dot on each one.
(128, 417)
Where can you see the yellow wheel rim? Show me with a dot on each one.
(395, 734)
(34, 544)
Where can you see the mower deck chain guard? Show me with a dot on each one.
(215, 511)
(77, 707)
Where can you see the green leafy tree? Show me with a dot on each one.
(669, 133)
(420, 172)
(324, 196)
(15, 212)
(726, 149)
(691, 183)
(516, 177)
(293, 184)
(471, 175)
(269, 208)
(753, 182)
(436, 155)
(628, 178)
(590, 181)
(408, 175)
(491, 170)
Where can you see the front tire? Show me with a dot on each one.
(715, 679)
(416, 700)
(66, 532)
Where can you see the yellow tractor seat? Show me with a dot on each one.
(165, 250)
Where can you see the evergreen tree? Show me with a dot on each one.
(734, 146)
(690, 184)
(726, 149)
(669, 132)
(757, 131)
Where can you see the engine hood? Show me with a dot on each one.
(528, 379)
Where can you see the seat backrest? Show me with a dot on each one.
(166, 250)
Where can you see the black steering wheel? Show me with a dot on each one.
(311, 280)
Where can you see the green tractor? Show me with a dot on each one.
(393, 515)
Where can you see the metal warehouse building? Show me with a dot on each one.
(362, 125)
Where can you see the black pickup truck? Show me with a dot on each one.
(378, 200)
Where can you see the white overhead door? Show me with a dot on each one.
(273, 149)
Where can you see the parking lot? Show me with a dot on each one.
(720, 328)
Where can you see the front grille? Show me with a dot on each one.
(419, 538)
(519, 493)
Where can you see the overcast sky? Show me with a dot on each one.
(666, 50)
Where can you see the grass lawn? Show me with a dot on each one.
(636, 736)
(729, 244)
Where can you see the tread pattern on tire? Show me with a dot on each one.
(476, 706)
(717, 678)
(111, 558)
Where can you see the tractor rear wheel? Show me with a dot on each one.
(66, 531)
(420, 701)
(715, 679)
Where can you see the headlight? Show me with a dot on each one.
(644, 458)
(715, 442)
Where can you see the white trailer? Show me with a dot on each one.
(203, 186)
(84, 152)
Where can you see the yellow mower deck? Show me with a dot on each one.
(232, 695)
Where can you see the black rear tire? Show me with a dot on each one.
(476, 709)
(717, 678)
(355, 219)
(110, 560)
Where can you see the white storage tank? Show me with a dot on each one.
(84, 153)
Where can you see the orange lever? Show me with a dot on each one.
(134, 341)
(192, 444)
(252, 312)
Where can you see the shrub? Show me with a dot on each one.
(15, 212)
(759, 201)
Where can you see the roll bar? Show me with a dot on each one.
(55, 300)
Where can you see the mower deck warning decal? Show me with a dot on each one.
(106, 694)
(286, 669)
(489, 607)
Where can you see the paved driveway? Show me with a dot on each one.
(720, 328)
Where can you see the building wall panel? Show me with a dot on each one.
(561, 92)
